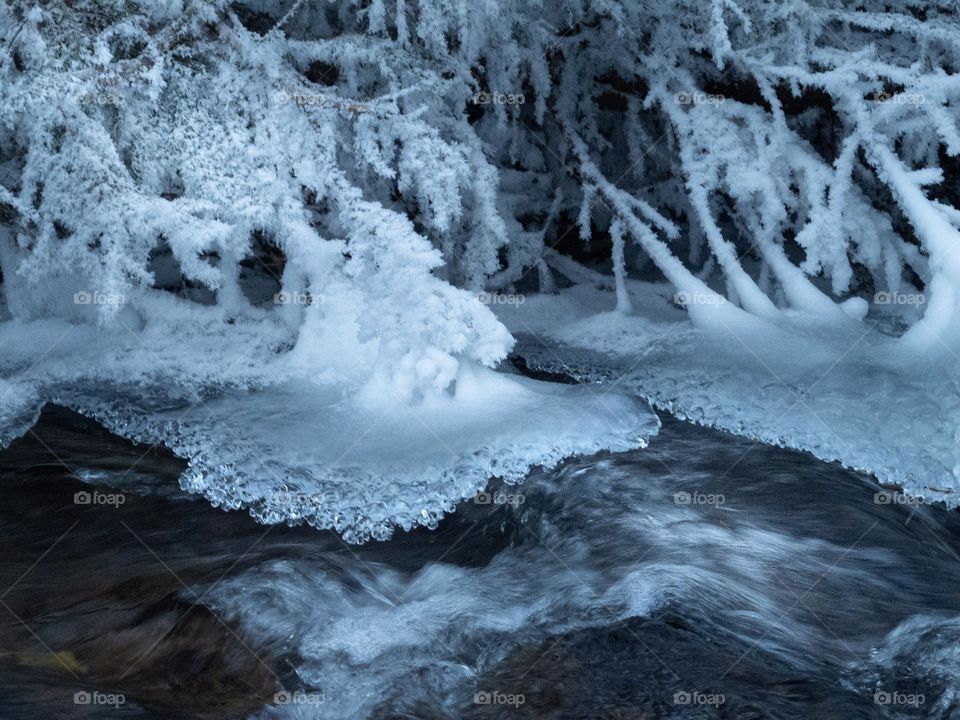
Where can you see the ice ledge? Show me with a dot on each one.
(831, 391)
(298, 452)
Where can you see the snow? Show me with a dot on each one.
(288, 446)
(299, 453)
(842, 394)
(150, 152)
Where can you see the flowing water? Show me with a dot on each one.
(703, 577)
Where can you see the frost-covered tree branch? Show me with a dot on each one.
(394, 158)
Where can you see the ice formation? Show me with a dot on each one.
(841, 394)
(301, 453)
(204, 200)
(292, 449)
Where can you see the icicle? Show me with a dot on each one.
(376, 16)
(402, 34)
(583, 219)
(619, 269)
(547, 283)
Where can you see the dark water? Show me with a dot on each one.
(703, 577)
